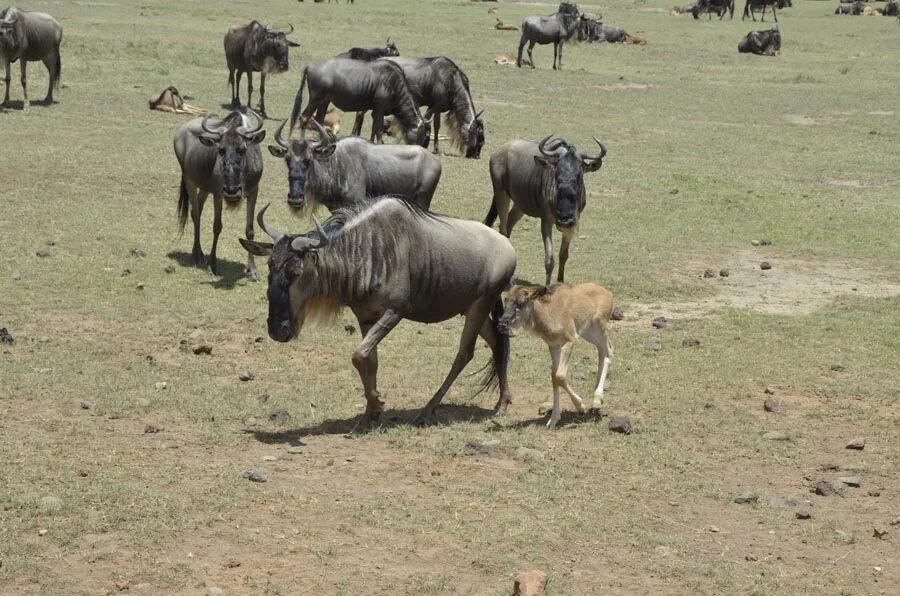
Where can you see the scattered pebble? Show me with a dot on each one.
(838, 367)
(476, 448)
(858, 443)
(660, 322)
(136, 252)
(140, 286)
(655, 345)
(746, 498)
(803, 514)
(279, 416)
(769, 390)
(754, 242)
(765, 265)
(773, 406)
(214, 591)
(879, 533)
(350, 329)
(620, 424)
(776, 435)
(16, 276)
(270, 458)
(824, 489)
(296, 450)
(874, 492)
(203, 349)
(232, 563)
(42, 532)
(125, 273)
(714, 529)
(6, 337)
(690, 343)
(263, 398)
(42, 253)
(850, 481)
(246, 375)
(708, 273)
(724, 272)
(85, 404)
(160, 385)
(617, 314)
(150, 429)
(254, 475)
(123, 585)
(169, 269)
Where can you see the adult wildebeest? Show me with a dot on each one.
(388, 261)
(370, 54)
(543, 180)
(29, 37)
(855, 9)
(357, 86)
(255, 48)
(764, 43)
(750, 5)
(222, 158)
(720, 7)
(557, 29)
(891, 9)
(353, 170)
(592, 30)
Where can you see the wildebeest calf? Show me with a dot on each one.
(560, 314)
(763, 43)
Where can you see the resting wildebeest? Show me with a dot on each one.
(29, 37)
(720, 7)
(388, 261)
(855, 9)
(255, 48)
(764, 43)
(221, 157)
(357, 86)
(592, 30)
(543, 180)
(370, 54)
(557, 29)
(353, 170)
(750, 5)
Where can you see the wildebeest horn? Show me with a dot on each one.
(323, 134)
(278, 138)
(217, 132)
(301, 243)
(590, 159)
(478, 115)
(291, 31)
(244, 132)
(548, 151)
(274, 233)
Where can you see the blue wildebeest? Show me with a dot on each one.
(544, 180)
(763, 43)
(855, 8)
(720, 7)
(357, 86)
(353, 170)
(388, 261)
(255, 48)
(370, 54)
(592, 30)
(222, 158)
(557, 29)
(762, 5)
(29, 37)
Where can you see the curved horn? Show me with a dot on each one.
(291, 31)
(274, 233)
(278, 138)
(301, 243)
(324, 240)
(323, 134)
(594, 159)
(218, 131)
(548, 151)
(244, 132)
(478, 115)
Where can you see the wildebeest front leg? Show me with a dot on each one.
(437, 129)
(252, 275)
(25, 104)
(249, 88)
(564, 253)
(236, 94)
(377, 126)
(217, 229)
(198, 199)
(547, 235)
(365, 359)
(7, 80)
(50, 62)
(235, 102)
(262, 95)
(358, 124)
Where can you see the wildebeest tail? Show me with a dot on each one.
(499, 364)
(184, 205)
(58, 72)
(298, 100)
(492, 214)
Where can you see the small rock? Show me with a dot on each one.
(896, 523)
(776, 435)
(160, 385)
(16, 276)
(838, 367)
(476, 448)
(140, 286)
(654, 345)
(296, 450)
(754, 242)
(777, 503)
(530, 583)
(765, 243)
(746, 498)
(169, 269)
(674, 191)
(6, 337)
(270, 458)
(203, 349)
(714, 529)
(263, 398)
(824, 489)
(232, 563)
(42, 253)
(765, 265)
(803, 514)
(51, 504)
(123, 585)
(246, 375)
(850, 481)
(873, 492)
(529, 454)
(724, 272)
(690, 343)
(125, 272)
(773, 406)
(620, 424)
(42, 532)
(350, 329)
(51, 242)
(660, 322)
(617, 314)
(879, 533)
(85, 404)
(254, 475)
(708, 273)
(151, 429)
(279, 416)
(858, 443)
(769, 390)
(136, 252)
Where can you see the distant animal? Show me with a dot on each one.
(255, 48)
(343, 173)
(763, 43)
(504, 27)
(29, 37)
(357, 86)
(684, 9)
(593, 31)
(560, 315)
(222, 158)
(388, 261)
(750, 5)
(720, 7)
(369, 54)
(891, 9)
(557, 29)
(170, 100)
(507, 58)
(544, 180)
(854, 9)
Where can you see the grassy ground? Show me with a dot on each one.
(708, 150)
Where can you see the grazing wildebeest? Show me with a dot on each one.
(255, 48)
(29, 37)
(561, 314)
(557, 29)
(764, 43)
(357, 86)
(370, 54)
(855, 9)
(750, 5)
(544, 180)
(353, 170)
(222, 158)
(720, 7)
(388, 261)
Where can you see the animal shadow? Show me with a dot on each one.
(230, 272)
(566, 418)
(18, 105)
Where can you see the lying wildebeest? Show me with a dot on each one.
(255, 48)
(750, 5)
(855, 9)
(370, 54)
(388, 261)
(170, 100)
(720, 7)
(357, 86)
(561, 314)
(222, 158)
(29, 37)
(557, 29)
(543, 180)
(593, 31)
(353, 170)
(764, 43)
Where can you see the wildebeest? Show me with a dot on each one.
(29, 37)
(720, 7)
(370, 54)
(439, 85)
(750, 5)
(388, 261)
(557, 29)
(222, 158)
(544, 180)
(561, 314)
(764, 43)
(170, 100)
(255, 48)
(891, 9)
(342, 173)
(357, 86)
(855, 9)
(593, 31)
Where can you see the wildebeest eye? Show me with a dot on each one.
(221, 150)
(242, 150)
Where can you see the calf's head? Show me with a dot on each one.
(299, 157)
(517, 306)
(231, 141)
(567, 166)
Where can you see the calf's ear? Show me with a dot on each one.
(277, 150)
(260, 249)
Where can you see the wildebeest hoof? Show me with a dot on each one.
(235, 103)
(252, 276)
(366, 423)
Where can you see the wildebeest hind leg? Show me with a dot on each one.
(530, 57)
(437, 128)
(358, 124)
(249, 88)
(365, 359)
(262, 95)
(236, 95)
(50, 62)
(252, 275)
(494, 338)
(24, 63)
(217, 229)
(7, 80)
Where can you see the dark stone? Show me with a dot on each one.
(169, 269)
(765, 265)
(51, 242)
(6, 337)
(771, 405)
(690, 343)
(203, 349)
(279, 416)
(350, 329)
(660, 322)
(152, 429)
(803, 514)
(620, 424)
(246, 375)
(724, 272)
(254, 475)
(824, 489)
(136, 252)
(617, 314)
(487, 449)
(708, 273)
(838, 368)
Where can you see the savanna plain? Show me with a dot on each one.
(121, 450)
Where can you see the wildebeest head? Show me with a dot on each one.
(516, 304)
(299, 155)
(293, 277)
(231, 139)
(390, 48)
(271, 47)
(475, 138)
(9, 39)
(567, 167)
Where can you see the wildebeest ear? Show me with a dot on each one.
(208, 140)
(277, 150)
(323, 152)
(293, 44)
(544, 161)
(260, 249)
(592, 166)
(258, 137)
